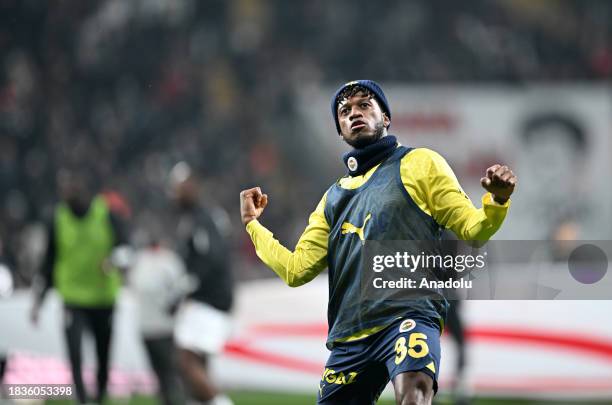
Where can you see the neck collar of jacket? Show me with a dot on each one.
(359, 161)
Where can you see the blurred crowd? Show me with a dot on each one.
(126, 89)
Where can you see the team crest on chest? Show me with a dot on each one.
(352, 163)
(407, 325)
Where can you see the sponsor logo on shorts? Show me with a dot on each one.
(332, 377)
(407, 325)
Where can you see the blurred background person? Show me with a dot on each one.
(6, 289)
(455, 324)
(81, 239)
(159, 280)
(456, 329)
(562, 240)
(203, 321)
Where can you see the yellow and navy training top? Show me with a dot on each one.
(408, 196)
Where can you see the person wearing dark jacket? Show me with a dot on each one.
(203, 320)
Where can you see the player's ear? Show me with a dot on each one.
(386, 120)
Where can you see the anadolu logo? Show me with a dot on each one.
(407, 325)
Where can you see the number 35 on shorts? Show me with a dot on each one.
(416, 347)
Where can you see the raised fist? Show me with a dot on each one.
(500, 182)
(252, 204)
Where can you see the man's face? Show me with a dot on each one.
(187, 192)
(74, 189)
(361, 119)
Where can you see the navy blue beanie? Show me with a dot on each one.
(368, 84)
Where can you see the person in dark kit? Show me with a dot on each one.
(203, 322)
(391, 192)
(456, 330)
(85, 241)
(455, 324)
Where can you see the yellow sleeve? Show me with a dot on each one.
(309, 257)
(435, 189)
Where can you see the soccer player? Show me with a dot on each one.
(203, 320)
(391, 192)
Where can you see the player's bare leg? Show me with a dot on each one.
(195, 372)
(413, 388)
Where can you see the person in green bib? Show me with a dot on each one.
(84, 240)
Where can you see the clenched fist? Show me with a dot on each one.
(500, 182)
(252, 204)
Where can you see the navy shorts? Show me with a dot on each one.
(357, 372)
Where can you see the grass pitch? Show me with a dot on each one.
(268, 398)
